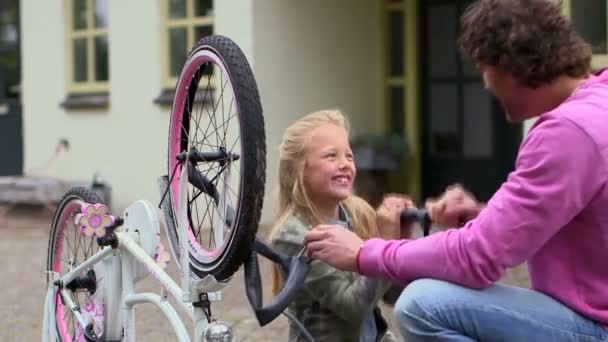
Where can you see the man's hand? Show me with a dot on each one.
(388, 217)
(334, 245)
(455, 207)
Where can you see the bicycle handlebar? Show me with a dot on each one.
(296, 268)
(421, 216)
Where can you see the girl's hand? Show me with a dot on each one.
(388, 217)
(455, 207)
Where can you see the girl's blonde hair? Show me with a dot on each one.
(293, 195)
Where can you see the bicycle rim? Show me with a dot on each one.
(209, 117)
(67, 249)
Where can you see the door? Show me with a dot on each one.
(11, 138)
(466, 137)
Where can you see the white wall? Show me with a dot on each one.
(43, 78)
(311, 55)
(306, 55)
(127, 142)
(234, 19)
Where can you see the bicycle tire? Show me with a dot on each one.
(217, 53)
(62, 227)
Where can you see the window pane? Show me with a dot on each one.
(177, 8)
(9, 28)
(589, 18)
(9, 45)
(9, 69)
(397, 109)
(80, 60)
(396, 43)
(80, 14)
(469, 69)
(101, 13)
(477, 121)
(443, 53)
(445, 138)
(201, 32)
(178, 48)
(101, 58)
(203, 8)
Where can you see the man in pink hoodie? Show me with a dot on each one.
(552, 211)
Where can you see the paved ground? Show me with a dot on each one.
(23, 248)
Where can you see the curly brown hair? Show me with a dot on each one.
(530, 39)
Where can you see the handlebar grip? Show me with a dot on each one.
(297, 269)
(411, 215)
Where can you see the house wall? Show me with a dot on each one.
(306, 55)
(312, 55)
(127, 142)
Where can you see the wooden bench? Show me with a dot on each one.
(32, 190)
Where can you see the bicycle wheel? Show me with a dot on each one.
(67, 249)
(217, 116)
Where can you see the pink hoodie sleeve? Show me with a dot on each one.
(553, 181)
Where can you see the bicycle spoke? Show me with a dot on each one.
(212, 116)
(207, 91)
(220, 100)
(231, 190)
(211, 124)
(197, 215)
(227, 121)
(212, 229)
(223, 139)
(219, 173)
(224, 125)
(203, 107)
(66, 233)
(195, 197)
(234, 144)
(90, 248)
(211, 119)
(77, 242)
(80, 243)
(204, 100)
(219, 210)
(202, 221)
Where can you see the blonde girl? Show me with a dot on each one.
(316, 175)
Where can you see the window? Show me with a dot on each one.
(87, 46)
(589, 19)
(395, 77)
(184, 23)
(400, 81)
(9, 45)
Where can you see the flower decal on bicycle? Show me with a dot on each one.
(162, 256)
(94, 220)
(92, 312)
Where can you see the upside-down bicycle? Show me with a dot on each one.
(211, 200)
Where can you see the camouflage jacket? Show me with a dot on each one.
(332, 303)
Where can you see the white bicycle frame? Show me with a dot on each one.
(120, 270)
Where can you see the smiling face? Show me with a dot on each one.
(329, 170)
